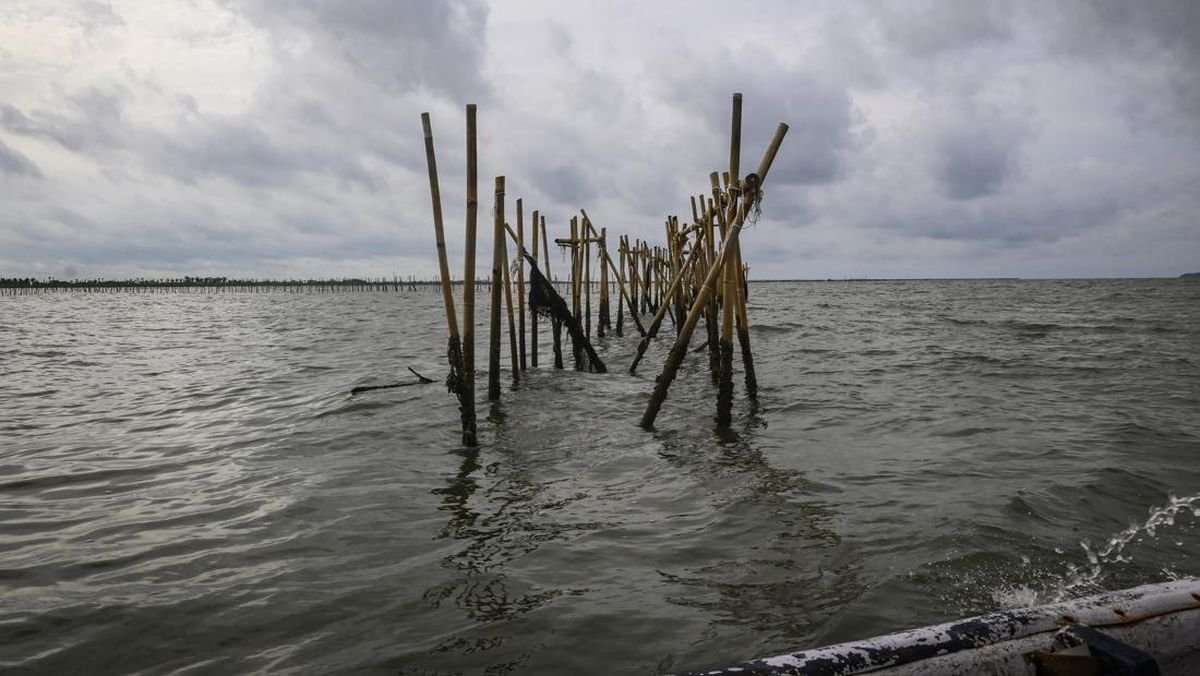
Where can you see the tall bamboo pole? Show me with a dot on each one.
(575, 295)
(546, 248)
(679, 350)
(602, 321)
(497, 284)
(470, 437)
(533, 322)
(586, 253)
(454, 381)
(521, 281)
(730, 274)
(714, 338)
(620, 286)
(439, 231)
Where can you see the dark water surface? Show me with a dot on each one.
(186, 485)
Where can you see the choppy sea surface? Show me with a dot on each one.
(188, 486)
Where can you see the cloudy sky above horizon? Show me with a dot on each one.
(272, 139)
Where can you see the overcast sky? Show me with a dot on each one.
(272, 138)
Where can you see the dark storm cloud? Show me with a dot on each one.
(563, 183)
(15, 163)
(975, 156)
(240, 150)
(818, 110)
(930, 28)
(401, 44)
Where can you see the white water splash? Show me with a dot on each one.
(1086, 577)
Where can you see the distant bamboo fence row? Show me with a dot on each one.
(14, 285)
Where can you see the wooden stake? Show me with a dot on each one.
(533, 320)
(591, 230)
(521, 282)
(602, 321)
(659, 316)
(455, 381)
(438, 229)
(508, 304)
(470, 437)
(498, 235)
(586, 252)
(679, 350)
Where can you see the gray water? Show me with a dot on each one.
(187, 486)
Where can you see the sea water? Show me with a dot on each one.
(188, 486)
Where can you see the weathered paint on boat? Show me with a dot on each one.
(1160, 619)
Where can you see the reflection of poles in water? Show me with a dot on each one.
(495, 525)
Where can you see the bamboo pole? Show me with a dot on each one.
(575, 295)
(521, 282)
(743, 325)
(454, 351)
(710, 315)
(679, 350)
(439, 231)
(659, 316)
(470, 437)
(546, 248)
(586, 253)
(497, 284)
(620, 287)
(728, 279)
(591, 228)
(533, 320)
(602, 321)
(730, 273)
(508, 304)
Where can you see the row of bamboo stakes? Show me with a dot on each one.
(689, 278)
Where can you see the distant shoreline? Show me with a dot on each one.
(381, 284)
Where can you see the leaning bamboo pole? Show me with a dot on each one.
(508, 304)
(498, 235)
(521, 282)
(470, 437)
(679, 350)
(454, 350)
